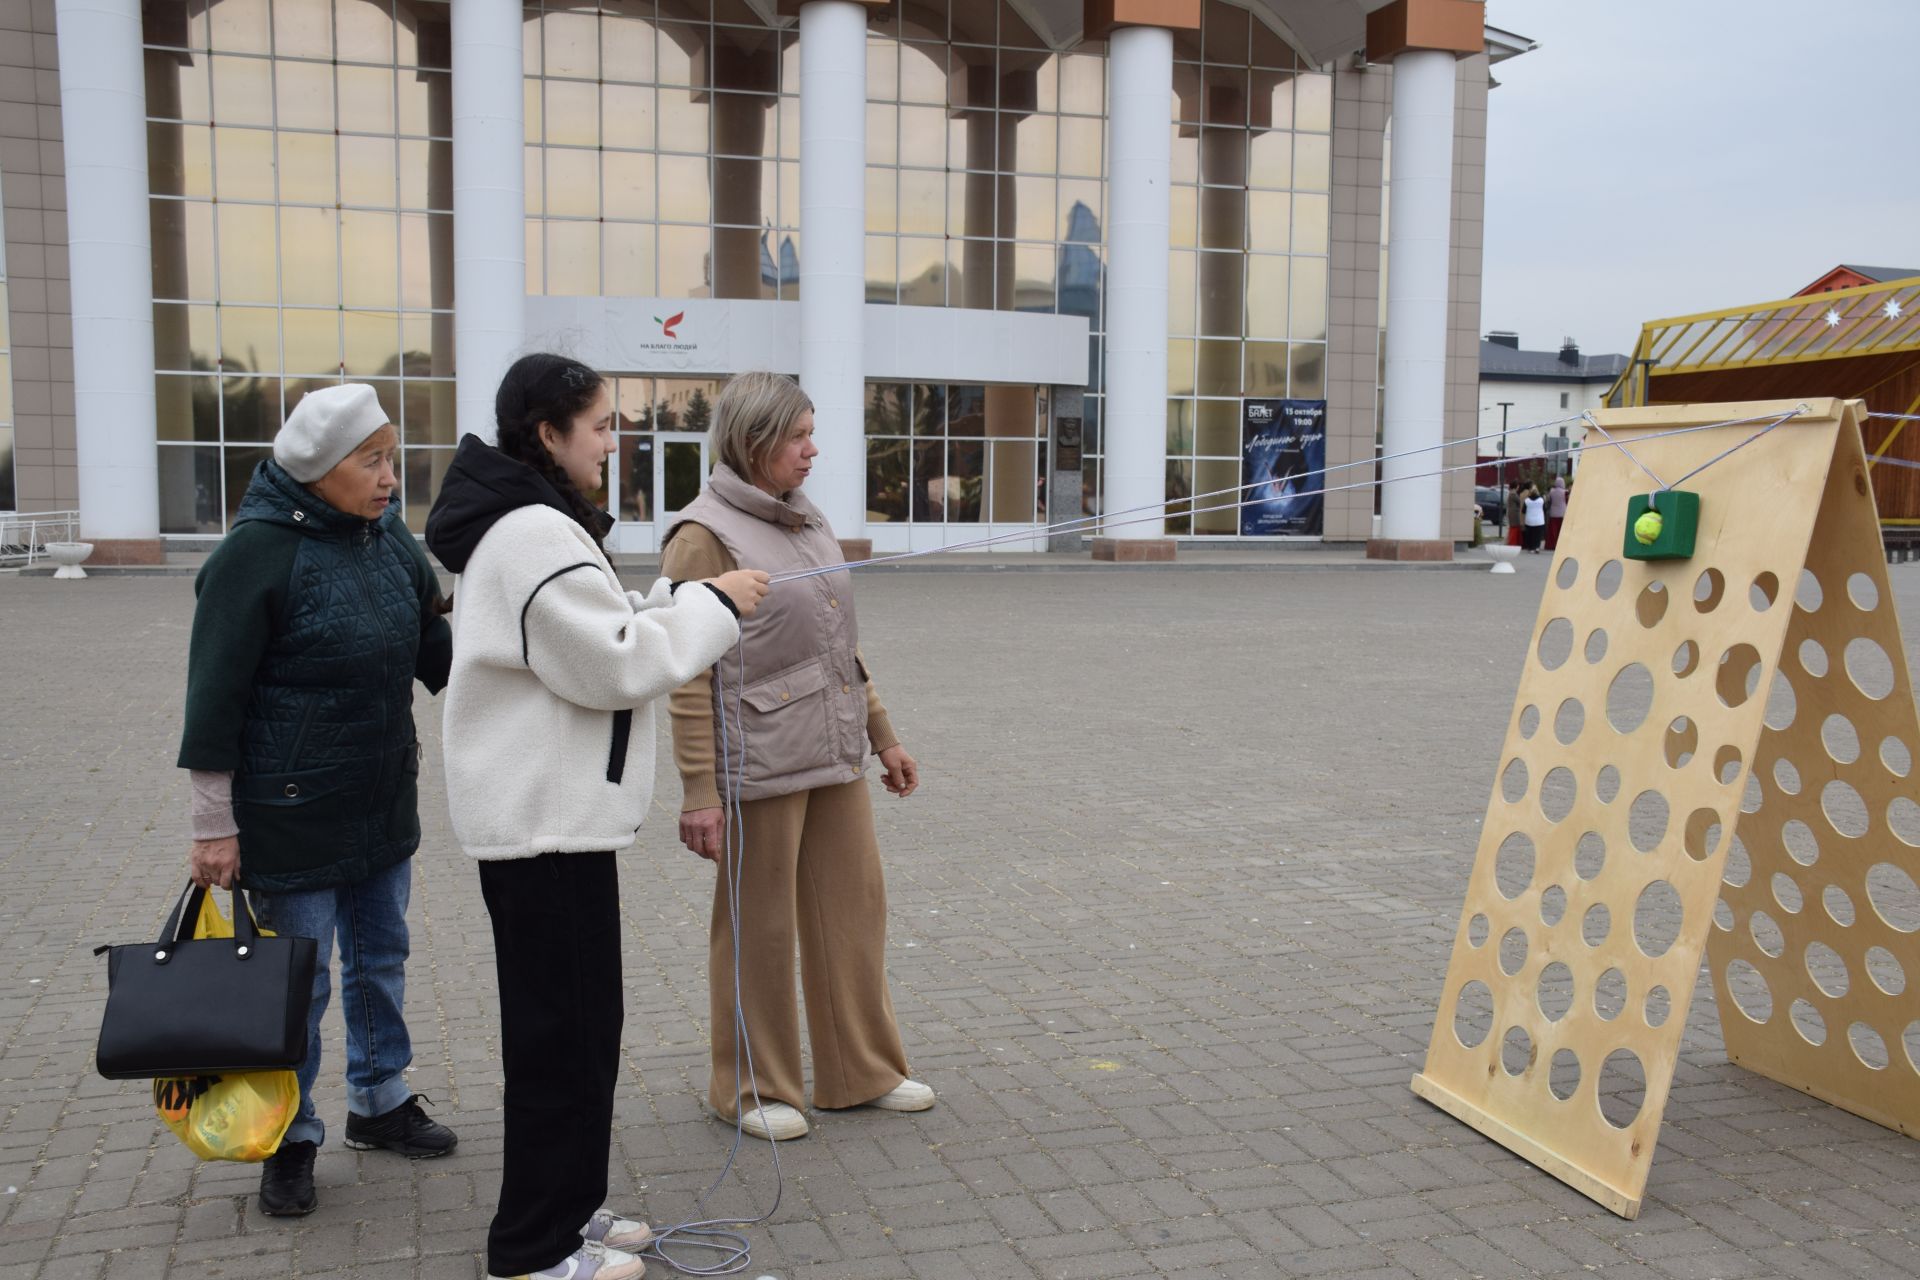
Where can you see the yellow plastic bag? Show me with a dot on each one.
(236, 1117)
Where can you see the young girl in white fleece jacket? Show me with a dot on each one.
(549, 730)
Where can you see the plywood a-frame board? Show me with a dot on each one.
(1744, 711)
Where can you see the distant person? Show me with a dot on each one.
(1533, 521)
(1515, 512)
(315, 615)
(1556, 511)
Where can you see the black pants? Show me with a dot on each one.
(556, 943)
(1532, 535)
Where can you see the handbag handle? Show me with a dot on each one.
(186, 910)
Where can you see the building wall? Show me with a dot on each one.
(40, 313)
(1534, 402)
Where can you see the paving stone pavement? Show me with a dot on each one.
(1169, 920)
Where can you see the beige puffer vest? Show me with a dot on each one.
(797, 687)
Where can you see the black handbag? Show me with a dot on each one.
(186, 1006)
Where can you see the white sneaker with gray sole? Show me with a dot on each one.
(775, 1120)
(591, 1261)
(908, 1095)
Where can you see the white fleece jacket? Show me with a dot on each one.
(549, 723)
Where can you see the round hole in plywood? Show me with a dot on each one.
(1529, 722)
(1739, 868)
(1513, 951)
(1610, 995)
(1752, 795)
(1827, 969)
(1737, 675)
(1749, 991)
(1813, 658)
(1895, 756)
(1566, 573)
(1912, 1041)
(1764, 591)
(1589, 855)
(1726, 765)
(1838, 905)
(1808, 1022)
(1807, 594)
(1883, 968)
(1686, 659)
(1477, 928)
(1473, 1014)
(1516, 1051)
(1569, 720)
(1563, 1075)
(1513, 781)
(1846, 811)
(1767, 935)
(1652, 604)
(1556, 644)
(1786, 777)
(1607, 581)
(1623, 1088)
(1554, 991)
(1863, 592)
(1657, 917)
(1869, 668)
(1596, 647)
(1558, 791)
(1647, 821)
(1682, 741)
(1658, 1006)
(1708, 588)
(1837, 734)
(1903, 818)
(1513, 865)
(1722, 915)
(1553, 905)
(1797, 838)
(1703, 832)
(1629, 697)
(1596, 924)
(1782, 704)
(1866, 1042)
(1786, 892)
(1606, 784)
(1894, 896)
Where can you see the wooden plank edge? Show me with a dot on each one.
(1605, 1194)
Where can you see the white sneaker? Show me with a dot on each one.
(908, 1095)
(775, 1120)
(590, 1261)
(610, 1229)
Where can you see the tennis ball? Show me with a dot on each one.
(1646, 530)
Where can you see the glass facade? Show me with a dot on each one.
(301, 165)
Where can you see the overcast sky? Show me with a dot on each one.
(1658, 157)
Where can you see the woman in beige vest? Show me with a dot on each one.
(801, 715)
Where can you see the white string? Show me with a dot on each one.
(1595, 424)
(1898, 417)
(1081, 523)
(1738, 447)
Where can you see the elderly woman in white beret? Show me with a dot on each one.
(315, 615)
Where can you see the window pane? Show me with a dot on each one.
(628, 111)
(190, 497)
(636, 477)
(1221, 293)
(923, 271)
(1180, 427)
(246, 253)
(966, 410)
(683, 262)
(683, 120)
(249, 408)
(303, 95)
(1266, 369)
(249, 339)
(1269, 216)
(369, 259)
(1080, 151)
(306, 168)
(881, 213)
(882, 285)
(887, 480)
(573, 183)
(1309, 380)
(1013, 493)
(367, 172)
(572, 44)
(1313, 103)
(1271, 160)
(1309, 313)
(1180, 286)
(1179, 488)
(888, 408)
(243, 164)
(1217, 427)
(188, 407)
(964, 481)
(1310, 224)
(1034, 219)
(183, 336)
(883, 130)
(1033, 146)
(1219, 367)
(1213, 476)
(426, 260)
(243, 90)
(309, 266)
(364, 29)
(312, 341)
(1185, 225)
(1180, 367)
(684, 193)
(371, 343)
(923, 195)
(573, 258)
(1312, 162)
(627, 261)
(1033, 269)
(929, 409)
(366, 99)
(1266, 297)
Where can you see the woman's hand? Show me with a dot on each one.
(903, 772)
(214, 863)
(745, 587)
(704, 830)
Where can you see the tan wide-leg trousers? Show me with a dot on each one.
(811, 866)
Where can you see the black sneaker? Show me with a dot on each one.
(406, 1129)
(286, 1181)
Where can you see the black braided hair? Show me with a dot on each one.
(547, 388)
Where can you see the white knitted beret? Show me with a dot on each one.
(326, 426)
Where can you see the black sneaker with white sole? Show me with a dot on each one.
(407, 1130)
(286, 1182)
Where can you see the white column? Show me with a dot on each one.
(104, 119)
(489, 206)
(833, 225)
(1140, 79)
(1420, 217)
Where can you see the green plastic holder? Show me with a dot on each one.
(1680, 522)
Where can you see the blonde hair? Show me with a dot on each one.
(752, 417)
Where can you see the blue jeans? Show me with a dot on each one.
(370, 918)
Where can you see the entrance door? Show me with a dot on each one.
(680, 466)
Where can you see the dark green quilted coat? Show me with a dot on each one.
(310, 630)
